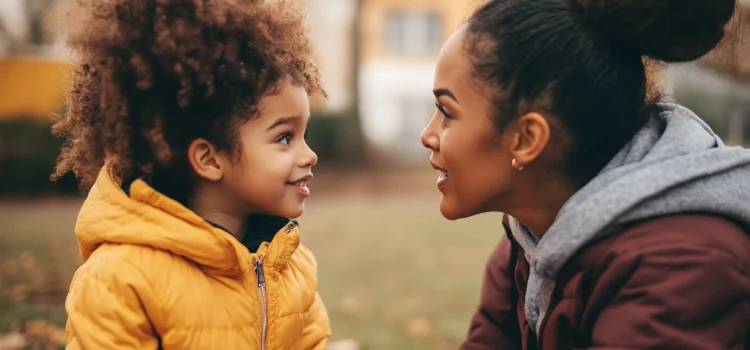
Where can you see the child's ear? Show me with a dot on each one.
(204, 159)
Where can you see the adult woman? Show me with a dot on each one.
(627, 219)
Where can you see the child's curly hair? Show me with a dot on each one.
(154, 75)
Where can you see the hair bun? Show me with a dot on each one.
(668, 30)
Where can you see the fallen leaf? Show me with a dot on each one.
(418, 326)
(18, 293)
(351, 306)
(12, 341)
(27, 261)
(346, 344)
(46, 332)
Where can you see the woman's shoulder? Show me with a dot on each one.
(672, 232)
(679, 242)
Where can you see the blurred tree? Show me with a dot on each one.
(732, 58)
(36, 11)
(353, 140)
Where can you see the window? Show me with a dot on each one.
(413, 32)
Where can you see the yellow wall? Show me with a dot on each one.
(31, 87)
(35, 87)
(373, 14)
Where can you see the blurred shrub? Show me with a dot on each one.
(721, 101)
(28, 152)
(27, 158)
(325, 137)
(716, 109)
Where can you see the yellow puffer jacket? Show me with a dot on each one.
(155, 275)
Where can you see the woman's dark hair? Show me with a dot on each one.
(581, 62)
(154, 75)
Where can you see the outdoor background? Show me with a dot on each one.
(393, 273)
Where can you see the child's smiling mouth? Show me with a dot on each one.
(301, 185)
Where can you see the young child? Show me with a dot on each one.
(187, 120)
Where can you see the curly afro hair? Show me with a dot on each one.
(154, 75)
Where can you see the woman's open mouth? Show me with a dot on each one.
(442, 179)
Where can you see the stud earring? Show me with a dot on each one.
(514, 164)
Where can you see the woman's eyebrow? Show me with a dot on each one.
(444, 92)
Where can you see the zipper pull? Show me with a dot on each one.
(259, 273)
(290, 226)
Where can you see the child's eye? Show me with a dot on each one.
(442, 110)
(285, 139)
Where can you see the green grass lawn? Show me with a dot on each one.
(393, 273)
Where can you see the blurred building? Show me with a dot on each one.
(33, 60)
(34, 63)
(377, 58)
(399, 43)
(332, 27)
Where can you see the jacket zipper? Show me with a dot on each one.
(541, 327)
(264, 296)
(290, 227)
(262, 287)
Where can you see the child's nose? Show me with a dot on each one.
(309, 158)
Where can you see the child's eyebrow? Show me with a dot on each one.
(282, 121)
(286, 120)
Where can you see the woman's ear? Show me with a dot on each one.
(204, 159)
(531, 136)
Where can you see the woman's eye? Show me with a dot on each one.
(443, 111)
(285, 139)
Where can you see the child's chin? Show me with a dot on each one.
(294, 213)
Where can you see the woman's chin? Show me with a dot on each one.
(450, 210)
(453, 210)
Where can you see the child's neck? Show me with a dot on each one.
(213, 207)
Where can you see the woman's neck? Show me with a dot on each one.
(538, 208)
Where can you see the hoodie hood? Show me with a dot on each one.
(675, 164)
(149, 218)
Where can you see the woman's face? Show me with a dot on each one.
(474, 160)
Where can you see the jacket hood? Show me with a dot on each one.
(675, 164)
(149, 218)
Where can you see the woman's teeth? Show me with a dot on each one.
(300, 183)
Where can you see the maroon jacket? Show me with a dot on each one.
(678, 282)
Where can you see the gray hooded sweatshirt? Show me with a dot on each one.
(675, 164)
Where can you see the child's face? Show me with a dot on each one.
(275, 165)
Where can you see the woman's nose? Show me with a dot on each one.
(429, 137)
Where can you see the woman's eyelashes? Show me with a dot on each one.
(443, 111)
